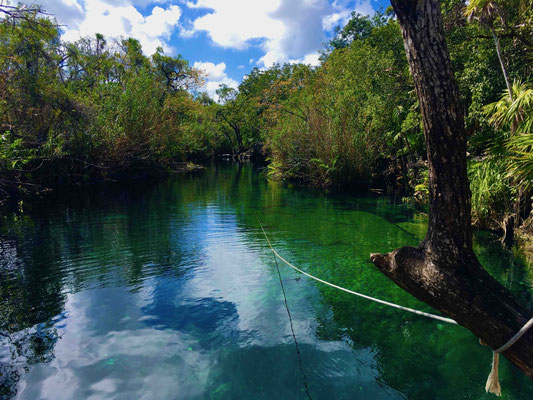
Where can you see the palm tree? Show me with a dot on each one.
(521, 163)
(513, 110)
(518, 115)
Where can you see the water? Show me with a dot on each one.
(169, 291)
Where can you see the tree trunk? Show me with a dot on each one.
(229, 139)
(443, 270)
(237, 131)
(502, 64)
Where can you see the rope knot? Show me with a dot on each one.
(493, 381)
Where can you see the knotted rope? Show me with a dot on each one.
(493, 384)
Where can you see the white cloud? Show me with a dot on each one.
(312, 59)
(233, 23)
(187, 33)
(64, 10)
(286, 30)
(343, 11)
(115, 19)
(215, 76)
(331, 21)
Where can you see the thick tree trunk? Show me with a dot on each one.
(444, 271)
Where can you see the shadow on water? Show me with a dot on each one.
(169, 290)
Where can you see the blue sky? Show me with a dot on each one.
(225, 38)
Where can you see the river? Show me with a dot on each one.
(169, 291)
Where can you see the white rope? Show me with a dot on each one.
(515, 338)
(364, 296)
(493, 383)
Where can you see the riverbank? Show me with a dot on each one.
(525, 240)
(69, 173)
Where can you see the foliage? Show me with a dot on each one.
(505, 17)
(521, 163)
(515, 117)
(12, 152)
(332, 125)
(492, 192)
(92, 108)
(102, 109)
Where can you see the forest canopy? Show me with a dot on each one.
(101, 109)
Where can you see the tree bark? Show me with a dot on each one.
(443, 270)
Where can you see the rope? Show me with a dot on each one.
(292, 326)
(292, 331)
(515, 338)
(364, 296)
(493, 383)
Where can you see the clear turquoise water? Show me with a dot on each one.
(169, 291)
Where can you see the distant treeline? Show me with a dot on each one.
(98, 109)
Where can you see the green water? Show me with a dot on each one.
(169, 291)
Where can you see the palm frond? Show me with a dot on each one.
(482, 10)
(520, 167)
(516, 115)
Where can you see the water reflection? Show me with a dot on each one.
(169, 291)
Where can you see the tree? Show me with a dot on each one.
(176, 72)
(485, 11)
(493, 15)
(22, 12)
(231, 113)
(443, 270)
(359, 27)
(516, 118)
(90, 109)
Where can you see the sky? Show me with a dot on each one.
(224, 38)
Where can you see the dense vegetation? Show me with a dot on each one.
(96, 109)
(91, 109)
